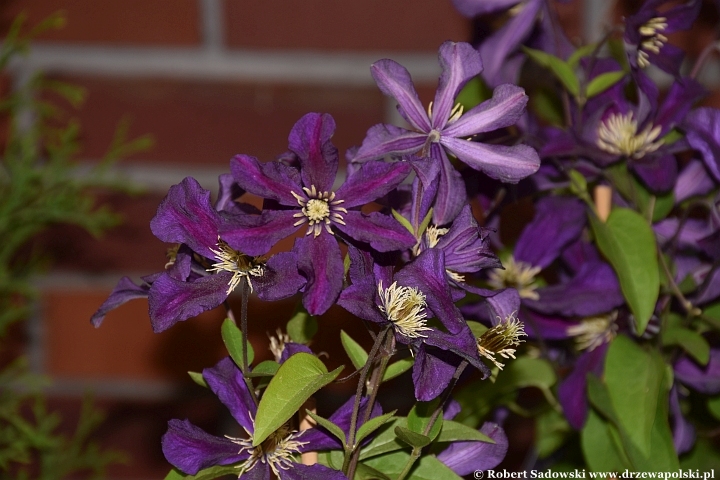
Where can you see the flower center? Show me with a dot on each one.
(171, 255)
(618, 135)
(276, 451)
(239, 264)
(592, 332)
(499, 339)
(405, 308)
(653, 40)
(277, 343)
(318, 209)
(519, 275)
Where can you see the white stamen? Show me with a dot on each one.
(239, 264)
(276, 451)
(653, 40)
(318, 209)
(405, 308)
(519, 275)
(618, 135)
(592, 332)
(498, 340)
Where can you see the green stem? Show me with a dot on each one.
(686, 304)
(245, 367)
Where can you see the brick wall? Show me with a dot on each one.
(209, 79)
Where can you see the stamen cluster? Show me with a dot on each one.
(653, 41)
(619, 135)
(519, 275)
(318, 209)
(498, 340)
(592, 332)
(237, 263)
(405, 308)
(276, 451)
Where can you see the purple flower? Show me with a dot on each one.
(646, 34)
(191, 449)
(304, 197)
(466, 457)
(404, 301)
(444, 129)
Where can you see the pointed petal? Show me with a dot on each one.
(703, 134)
(273, 180)
(466, 457)
(571, 391)
(451, 193)
(124, 291)
(320, 260)
(372, 181)
(359, 299)
(693, 180)
(382, 140)
(704, 379)
(558, 221)
(171, 301)
(310, 140)
(311, 472)
(394, 80)
(502, 110)
(432, 372)
(226, 381)
(459, 62)
(658, 173)
(507, 164)
(191, 449)
(186, 216)
(380, 231)
(503, 305)
(281, 278)
(683, 431)
(271, 227)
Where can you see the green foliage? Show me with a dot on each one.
(562, 70)
(628, 242)
(233, 339)
(302, 327)
(295, 381)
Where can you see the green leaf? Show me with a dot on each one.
(198, 378)
(419, 418)
(551, 431)
(386, 441)
(526, 372)
(365, 472)
(713, 405)
(602, 446)
(427, 467)
(373, 424)
(425, 222)
(473, 93)
(233, 340)
(692, 342)
(584, 51)
(633, 378)
(457, 432)
(403, 221)
(302, 327)
(411, 438)
(548, 106)
(358, 355)
(578, 183)
(602, 82)
(635, 192)
(703, 456)
(266, 368)
(477, 328)
(560, 69)
(628, 242)
(398, 368)
(330, 427)
(296, 380)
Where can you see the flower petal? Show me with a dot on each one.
(280, 279)
(320, 260)
(704, 379)
(124, 291)
(273, 180)
(473, 8)
(191, 449)
(459, 62)
(394, 80)
(271, 227)
(382, 140)
(502, 110)
(571, 391)
(507, 164)
(310, 140)
(311, 472)
(382, 232)
(371, 181)
(466, 457)
(226, 381)
(703, 134)
(451, 192)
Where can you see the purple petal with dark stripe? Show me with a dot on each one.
(281, 278)
(226, 381)
(124, 291)
(186, 216)
(191, 449)
(394, 80)
(658, 173)
(270, 228)
(382, 140)
(507, 164)
(310, 140)
(571, 391)
(311, 472)
(273, 180)
(504, 304)
(371, 181)
(683, 431)
(171, 301)
(320, 261)
(451, 193)
(703, 134)
(382, 232)
(503, 109)
(459, 62)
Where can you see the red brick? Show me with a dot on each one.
(205, 122)
(409, 25)
(151, 22)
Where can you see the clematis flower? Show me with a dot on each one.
(404, 301)
(191, 449)
(304, 197)
(443, 129)
(466, 457)
(646, 34)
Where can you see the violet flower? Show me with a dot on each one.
(191, 449)
(404, 301)
(646, 34)
(304, 196)
(466, 457)
(444, 129)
